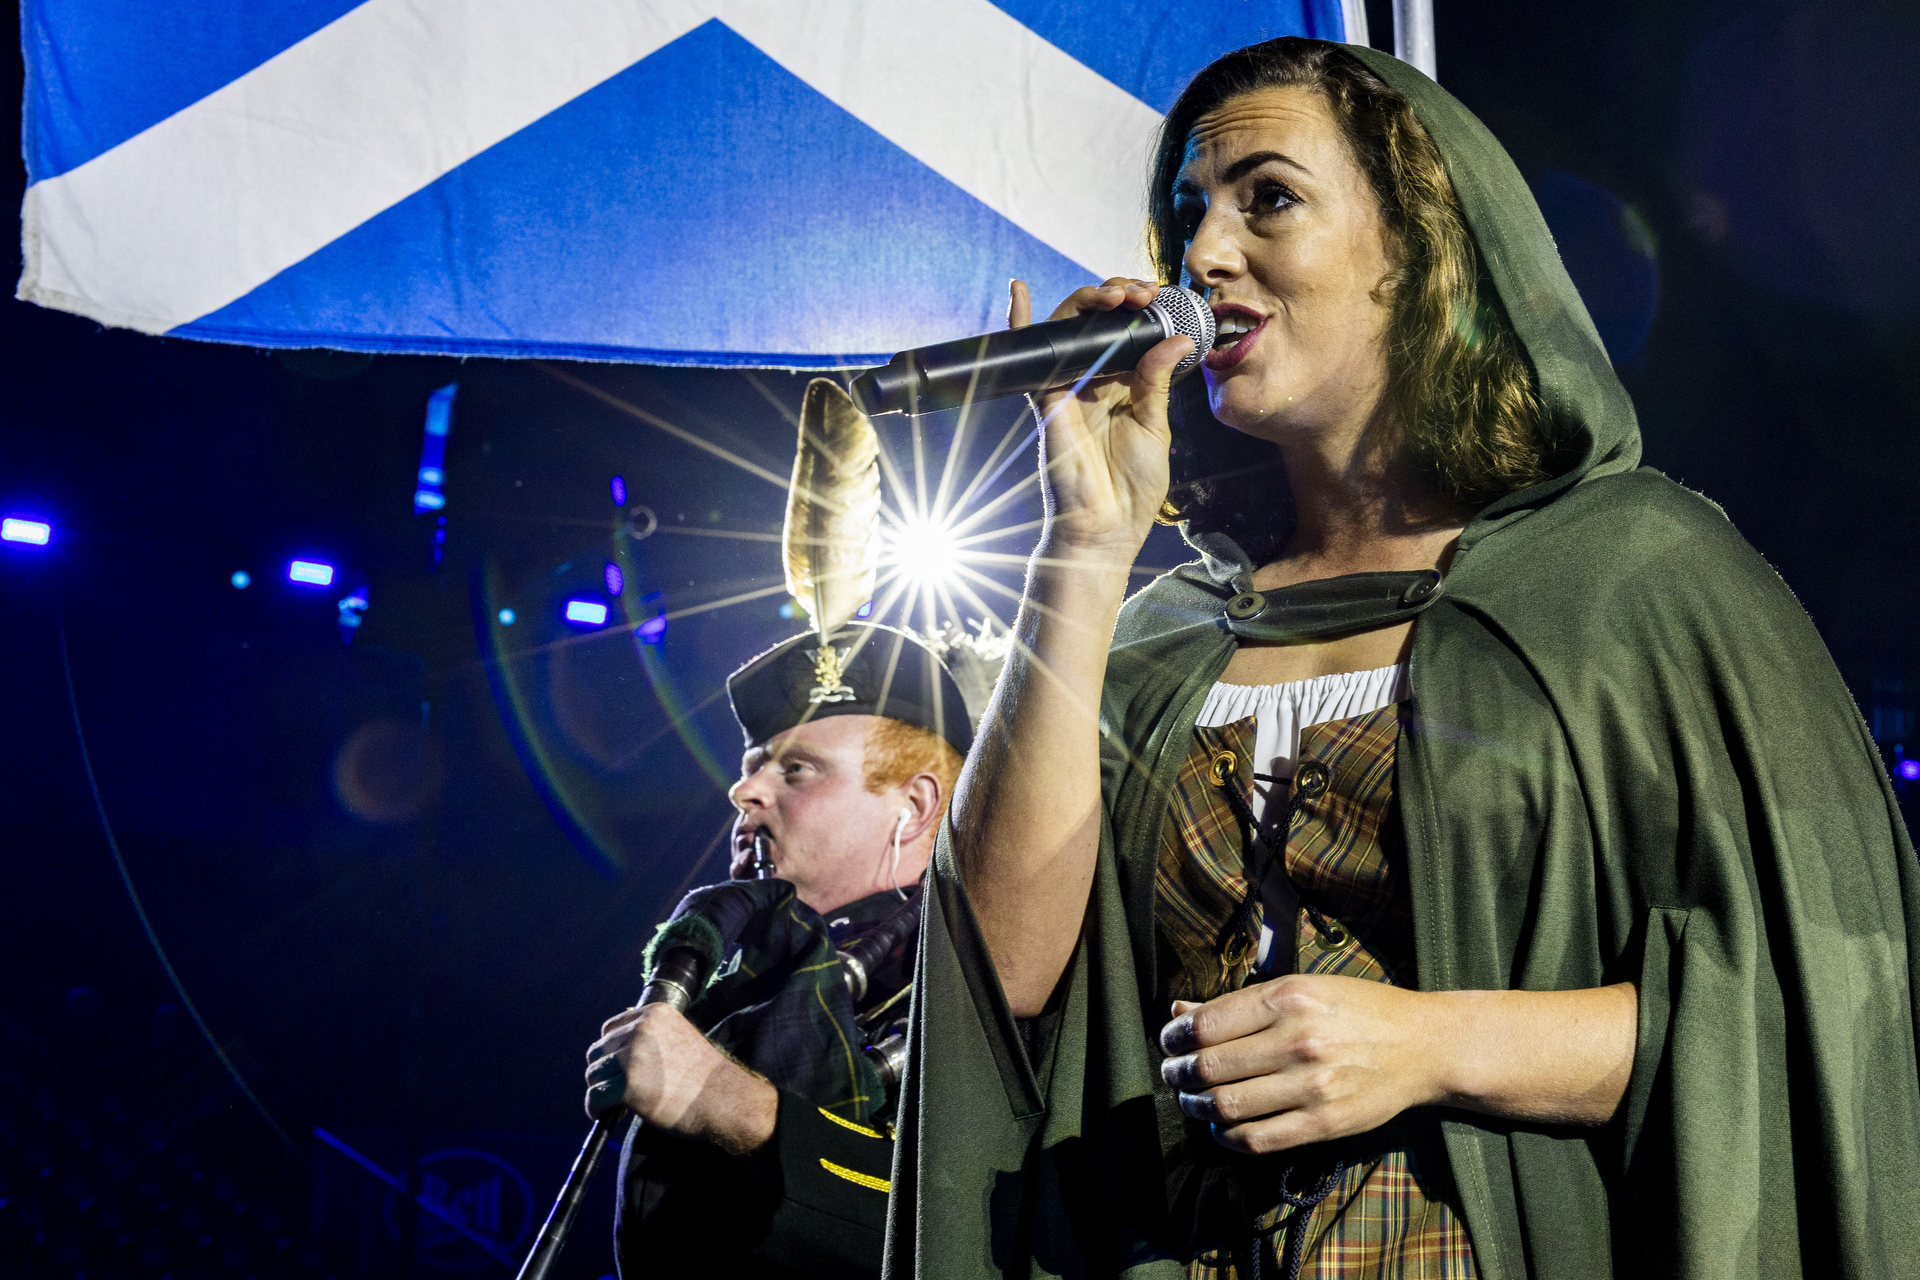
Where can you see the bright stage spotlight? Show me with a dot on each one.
(35, 533)
(1910, 770)
(241, 579)
(587, 613)
(924, 552)
(310, 573)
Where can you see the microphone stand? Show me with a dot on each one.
(675, 981)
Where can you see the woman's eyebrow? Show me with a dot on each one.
(1247, 164)
(1186, 186)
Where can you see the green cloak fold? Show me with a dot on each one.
(1628, 757)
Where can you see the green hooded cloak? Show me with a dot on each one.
(1628, 757)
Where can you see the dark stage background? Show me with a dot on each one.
(402, 928)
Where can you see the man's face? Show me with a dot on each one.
(806, 788)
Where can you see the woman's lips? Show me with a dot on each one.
(1221, 358)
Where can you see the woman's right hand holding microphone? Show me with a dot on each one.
(1104, 447)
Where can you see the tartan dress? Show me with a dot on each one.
(1392, 1212)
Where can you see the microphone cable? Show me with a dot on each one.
(133, 895)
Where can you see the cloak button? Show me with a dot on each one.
(1245, 605)
(1311, 780)
(1418, 590)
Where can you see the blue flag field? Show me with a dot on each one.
(809, 183)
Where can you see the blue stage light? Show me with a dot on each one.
(310, 573)
(787, 610)
(653, 629)
(506, 617)
(241, 579)
(353, 611)
(615, 580)
(864, 611)
(427, 495)
(619, 490)
(588, 613)
(19, 529)
(1910, 769)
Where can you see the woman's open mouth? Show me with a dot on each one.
(1235, 332)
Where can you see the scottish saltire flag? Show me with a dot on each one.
(785, 182)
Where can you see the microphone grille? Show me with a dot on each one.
(1186, 312)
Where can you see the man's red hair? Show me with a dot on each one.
(897, 750)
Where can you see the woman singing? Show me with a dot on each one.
(1472, 864)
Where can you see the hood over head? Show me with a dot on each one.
(1589, 418)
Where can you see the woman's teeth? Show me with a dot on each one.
(1230, 329)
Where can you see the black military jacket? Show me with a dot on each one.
(812, 1202)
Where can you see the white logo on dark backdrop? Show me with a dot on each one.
(486, 1210)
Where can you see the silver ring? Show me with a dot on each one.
(677, 996)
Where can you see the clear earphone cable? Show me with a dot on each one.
(899, 824)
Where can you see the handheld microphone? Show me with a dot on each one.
(1054, 353)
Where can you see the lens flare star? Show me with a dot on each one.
(960, 508)
(924, 551)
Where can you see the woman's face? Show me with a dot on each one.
(1287, 242)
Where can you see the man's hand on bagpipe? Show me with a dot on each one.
(655, 1063)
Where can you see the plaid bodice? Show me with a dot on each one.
(1391, 1213)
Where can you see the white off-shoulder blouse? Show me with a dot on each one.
(1281, 711)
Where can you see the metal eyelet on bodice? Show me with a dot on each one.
(1311, 780)
(1223, 767)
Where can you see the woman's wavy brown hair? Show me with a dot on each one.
(1461, 387)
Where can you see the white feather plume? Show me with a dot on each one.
(832, 536)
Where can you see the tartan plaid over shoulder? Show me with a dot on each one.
(781, 1006)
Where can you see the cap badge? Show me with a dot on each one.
(828, 665)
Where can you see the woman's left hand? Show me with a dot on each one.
(1302, 1058)
(1311, 1057)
